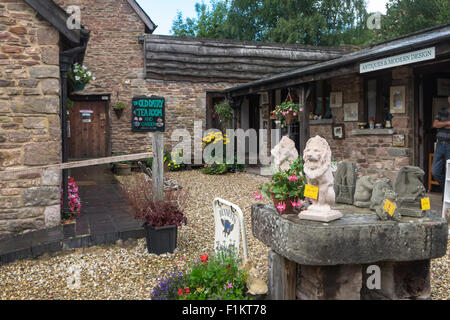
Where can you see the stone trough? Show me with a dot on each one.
(320, 261)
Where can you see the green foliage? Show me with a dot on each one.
(220, 167)
(217, 277)
(225, 113)
(80, 74)
(283, 186)
(175, 161)
(407, 16)
(314, 22)
(311, 22)
(120, 106)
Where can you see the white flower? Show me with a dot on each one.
(93, 78)
(84, 68)
(89, 73)
(77, 78)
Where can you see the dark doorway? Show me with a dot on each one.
(430, 98)
(88, 130)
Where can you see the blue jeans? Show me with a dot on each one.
(441, 155)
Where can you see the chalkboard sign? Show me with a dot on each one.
(148, 114)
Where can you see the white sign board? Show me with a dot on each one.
(229, 226)
(399, 60)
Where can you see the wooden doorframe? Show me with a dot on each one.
(104, 98)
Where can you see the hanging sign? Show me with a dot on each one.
(399, 60)
(148, 114)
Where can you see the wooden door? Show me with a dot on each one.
(88, 126)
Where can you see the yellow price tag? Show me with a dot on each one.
(311, 192)
(426, 204)
(389, 207)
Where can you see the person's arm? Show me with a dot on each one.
(441, 124)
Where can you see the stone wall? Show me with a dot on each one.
(374, 154)
(116, 59)
(30, 132)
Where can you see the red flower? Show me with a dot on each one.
(180, 292)
(204, 258)
(186, 289)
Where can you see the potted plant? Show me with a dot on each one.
(122, 168)
(80, 76)
(225, 113)
(286, 188)
(287, 112)
(118, 108)
(161, 218)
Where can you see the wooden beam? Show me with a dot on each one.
(56, 16)
(296, 81)
(75, 164)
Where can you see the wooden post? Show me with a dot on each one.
(282, 277)
(304, 122)
(158, 166)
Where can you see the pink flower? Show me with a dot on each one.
(301, 109)
(297, 204)
(258, 196)
(295, 114)
(281, 207)
(293, 178)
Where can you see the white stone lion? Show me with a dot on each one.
(317, 167)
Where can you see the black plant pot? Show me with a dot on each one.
(161, 240)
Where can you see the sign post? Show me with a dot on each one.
(149, 115)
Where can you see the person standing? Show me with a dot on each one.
(442, 153)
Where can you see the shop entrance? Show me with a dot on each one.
(88, 129)
(433, 89)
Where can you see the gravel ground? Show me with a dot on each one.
(127, 271)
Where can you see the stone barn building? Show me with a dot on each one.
(37, 128)
(36, 51)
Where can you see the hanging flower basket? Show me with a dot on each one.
(287, 112)
(118, 108)
(118, 113)
(78, 86)
(80, 76)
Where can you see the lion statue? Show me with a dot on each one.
(317, 168)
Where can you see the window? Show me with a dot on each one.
(322, 94)
(377, 90)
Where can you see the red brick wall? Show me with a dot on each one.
(374, 154)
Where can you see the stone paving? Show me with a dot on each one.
(105, 218)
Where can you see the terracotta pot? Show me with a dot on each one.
(289, 118)
(289, 207)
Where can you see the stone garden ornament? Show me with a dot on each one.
(363, 192)
(410, 190)
(229, 226)
(284, 154)
(317, 167)
(382, 191)
(345, 182)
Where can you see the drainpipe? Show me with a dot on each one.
(66, 60)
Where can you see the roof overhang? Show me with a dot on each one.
(348, 63)
(151, 26)
(57, 17)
